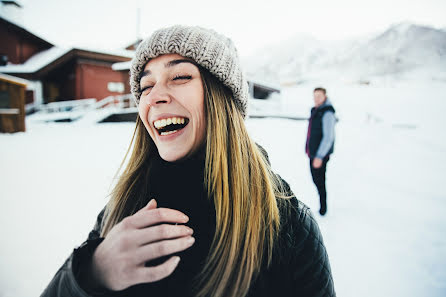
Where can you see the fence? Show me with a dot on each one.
(119, 102)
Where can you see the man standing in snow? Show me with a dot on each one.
(320, 141)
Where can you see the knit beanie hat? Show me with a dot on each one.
(207, 48)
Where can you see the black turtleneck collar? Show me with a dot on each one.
(180, 186)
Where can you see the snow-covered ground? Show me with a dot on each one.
(385, 227)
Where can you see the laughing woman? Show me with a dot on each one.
(197, 210)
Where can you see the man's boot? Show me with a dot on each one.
(323, 209)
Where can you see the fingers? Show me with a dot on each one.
(161, 232)
(145, 218)
(156, 273)
(163, 248)
(151, 205)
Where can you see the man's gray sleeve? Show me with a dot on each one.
(328, 134)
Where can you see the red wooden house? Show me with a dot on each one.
(58, 74)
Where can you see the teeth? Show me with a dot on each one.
(168, 132)
(164, 122)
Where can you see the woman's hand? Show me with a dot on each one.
(118, 262)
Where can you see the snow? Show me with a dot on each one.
(265, 84)
(15, 79)
(36, 62)
(43, 58)
(108, 51)
(17, 2)
(384, 230)
(401, 49)
(14, 15)
(122, 66)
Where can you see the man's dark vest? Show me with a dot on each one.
(315, 127)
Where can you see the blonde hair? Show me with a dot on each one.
(237, 176)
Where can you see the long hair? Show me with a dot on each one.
(239, 179)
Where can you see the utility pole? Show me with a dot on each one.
(138, 21)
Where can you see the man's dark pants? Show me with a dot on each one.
(318, 175)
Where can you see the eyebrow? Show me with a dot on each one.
(169, 65)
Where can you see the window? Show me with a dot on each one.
(4, 100)
(116, 87)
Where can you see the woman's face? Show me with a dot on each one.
(172, 106)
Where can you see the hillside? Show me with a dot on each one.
(403, 50)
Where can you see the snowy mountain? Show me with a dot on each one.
(401, 49)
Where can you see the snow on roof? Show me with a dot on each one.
(269, 85)
(42, 59)
(14, 79)
(19, 24)
(121, 66)
(112, 52)
(36, 62)
(133, 43)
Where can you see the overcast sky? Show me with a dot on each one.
(251, 24)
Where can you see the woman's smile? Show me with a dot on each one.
(172, 106)
(170, 125)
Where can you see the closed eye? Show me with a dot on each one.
(182, 77)
(176, 78)
(145, 88)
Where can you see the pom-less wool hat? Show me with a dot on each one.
(207, 48)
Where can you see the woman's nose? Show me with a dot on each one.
(158, 95)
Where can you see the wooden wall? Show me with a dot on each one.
(12, 106)
(18, 44)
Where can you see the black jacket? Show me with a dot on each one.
(300, 263)
(315, 133)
